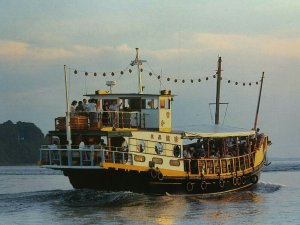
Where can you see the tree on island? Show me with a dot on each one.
(19, 143)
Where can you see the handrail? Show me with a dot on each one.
(82, 156)
(116, 119)
(205, 166)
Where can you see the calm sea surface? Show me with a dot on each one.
(31, 195)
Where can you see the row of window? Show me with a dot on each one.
(158, 148)
(141, 158)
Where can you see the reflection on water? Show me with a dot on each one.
(34, 199)
(91, 207)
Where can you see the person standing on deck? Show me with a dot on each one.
(114, 108)
(91, 109)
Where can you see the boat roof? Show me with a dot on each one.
(215, 131)
(124, 95)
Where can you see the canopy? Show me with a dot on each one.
(215, 131)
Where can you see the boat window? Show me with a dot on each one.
(174, 162)
(165, 103)
(177, 150)
(139, 158)
(157, 160)
(135, 104)
(151, 104)
(158, 148)
(162, 103)
(140, 145)
(168, 103)
(125, 146)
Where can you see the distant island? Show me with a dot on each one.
(19, 143)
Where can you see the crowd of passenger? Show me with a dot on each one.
(92, 109)
(222, 147)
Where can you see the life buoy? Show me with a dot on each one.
(234, 181)
(160, 176)
(254, 179)
(153, 173)
(238, 180)
(221, 183)
(244, 179)
(203, 185)
(189, 187)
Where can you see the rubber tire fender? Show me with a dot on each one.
(254, 179)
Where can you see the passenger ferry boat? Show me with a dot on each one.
(134, 148)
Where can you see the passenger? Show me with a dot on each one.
(199, 149)
(81, 145)
(84, 103)
(257, 133)
(114, 107)
(105, 116)
(79, 107)
(242, 148)
(151, 104)
(212, 155)
(91, 109)
(102, 143)
(73, 108)
(186, 154)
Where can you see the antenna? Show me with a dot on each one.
(219, 78)
(110, 84)
(68, 115)
(259, 97)
(139, 64)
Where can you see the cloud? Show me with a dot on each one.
(169, 54)
(21, 50)
(13, 50)
(238, 44)
(260, 44)
(195, 44)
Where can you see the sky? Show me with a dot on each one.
(179, 39)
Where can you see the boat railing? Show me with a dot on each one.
(83, 156)
(220, 165)
(98, 120)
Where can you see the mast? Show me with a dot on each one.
(219, 78)
(139, 64)
(139, 67)
(68, 128)
(258, 103)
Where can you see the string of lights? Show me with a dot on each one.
(160, 77)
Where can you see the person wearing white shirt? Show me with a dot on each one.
(114, 115)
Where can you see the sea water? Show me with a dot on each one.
(32, 195)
